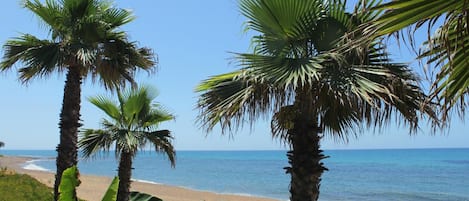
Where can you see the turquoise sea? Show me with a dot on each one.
(361, 175)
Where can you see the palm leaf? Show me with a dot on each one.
(106, 105)
(92, 141)
(40, 57)
(405, 13)
(137, 196)
(445, 49)
(161, 141)
(235, 98)
(68, 183)
(111, 192)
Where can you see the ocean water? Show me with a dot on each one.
(362, 175)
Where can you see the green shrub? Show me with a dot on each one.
(21, 187)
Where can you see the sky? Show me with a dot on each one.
(193, 40)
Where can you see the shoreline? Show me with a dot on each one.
(93, 187)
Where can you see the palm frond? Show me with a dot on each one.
(115, 17)
(289, 73)
(92, 141)
(50, 13)
(405, 13)
(161, 141)
(40, 57)
(106, 105)
(155, 116)
(280, 18)
(452, 80)
(444, 49)
(235, 97)
(118, 61)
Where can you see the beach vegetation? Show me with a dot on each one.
(22, 187)
(70, 181)
(310, 91)
(85, 41)
(132, 124)
(443, 51)
(138, 196)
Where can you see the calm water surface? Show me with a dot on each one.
(368, 175)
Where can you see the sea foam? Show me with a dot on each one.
(29, 165)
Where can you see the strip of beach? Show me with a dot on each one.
(92, 188)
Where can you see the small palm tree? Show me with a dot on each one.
(85, 41)
(309, 90)
(131, 126)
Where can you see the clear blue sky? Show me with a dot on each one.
(192, 40)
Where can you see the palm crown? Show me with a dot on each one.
(132, 125)
(295, 75)
(84, 34)
(292, 55)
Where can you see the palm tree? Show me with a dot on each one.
(446, 49)
(2, 144)
(309, 91)
(131, 126)
(85, 40)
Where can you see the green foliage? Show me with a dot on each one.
(445, 49)
(295, 75)
(111, 193)
(86, 32)
(137, 196)
(132, 123)
(85, 41)
(68, 183)
(294, 55)
(20, 187)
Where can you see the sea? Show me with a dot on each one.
(355, 175)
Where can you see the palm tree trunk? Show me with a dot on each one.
(125, 173)
(69, 124)
(306, 166)
(305, 157)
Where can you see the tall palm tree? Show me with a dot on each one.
(446, 49)
(309, 91)
(131, 126)
(85, 40)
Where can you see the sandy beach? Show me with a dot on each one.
(93, 187)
